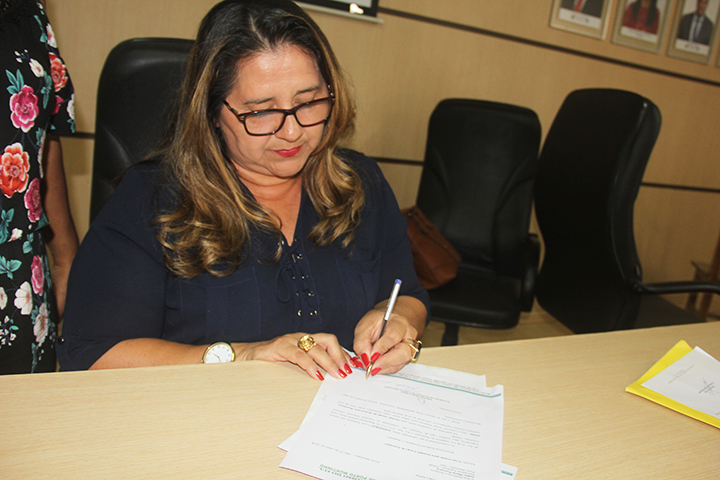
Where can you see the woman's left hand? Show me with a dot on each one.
(390, 353)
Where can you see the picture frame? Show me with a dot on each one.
(641, 23)
(588, 17)
(362, 8)
(699, 48)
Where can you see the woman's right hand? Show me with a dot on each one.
(327, 354)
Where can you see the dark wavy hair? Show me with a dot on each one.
(210, 228)
(653, 11)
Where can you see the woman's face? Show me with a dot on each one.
(280, 79)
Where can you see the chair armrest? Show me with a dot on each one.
(678, 287)
(532, 261)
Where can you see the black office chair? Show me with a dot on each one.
(588, 178)
(476, 188)
(137, 86)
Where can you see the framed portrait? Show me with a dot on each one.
(641, 23)
(367, 8)
(694, 28)
(587, 17)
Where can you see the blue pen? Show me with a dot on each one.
(388, 312)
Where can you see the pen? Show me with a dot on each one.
(388, 312)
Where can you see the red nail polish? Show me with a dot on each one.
(319, 375)
(375, 371)
(375, 357)
(356, 361)
(366, 360)
(348, 369)
(342, 374)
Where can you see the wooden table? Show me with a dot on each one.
(567, 415)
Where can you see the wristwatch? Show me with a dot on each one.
(416, 345)
(219, 352)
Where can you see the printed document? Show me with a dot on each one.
(421, 423)
(693, 380)
(688, 381)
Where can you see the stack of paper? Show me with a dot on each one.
(422, 422)
(686, 380)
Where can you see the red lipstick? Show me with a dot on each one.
(288, 153)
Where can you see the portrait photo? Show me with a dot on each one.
(641, 23)
(363, 8)
(587, 17)
(694, 30)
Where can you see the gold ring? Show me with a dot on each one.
(416, 345)
(305, 343)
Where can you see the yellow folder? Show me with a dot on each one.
(678, 351)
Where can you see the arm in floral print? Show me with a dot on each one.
(60, 236)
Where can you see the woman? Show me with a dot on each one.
(37, 100)
(642, 15)
(255, 229)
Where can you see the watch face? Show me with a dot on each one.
(219, 353)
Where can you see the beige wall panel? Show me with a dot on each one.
(77, 155)
(88, 29)
(404, 180)
(530, 20)
(406, 79)
(399, 81)
(673, 228)
(506, 16)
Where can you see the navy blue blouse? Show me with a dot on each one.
(119, 287)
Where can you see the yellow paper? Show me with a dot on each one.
(678, 351)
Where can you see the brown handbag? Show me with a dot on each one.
(436, 261)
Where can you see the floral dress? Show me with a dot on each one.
(36, 99)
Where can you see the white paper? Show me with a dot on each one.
(693, 380)
(507, 472)
(692, 47)
(441, 375)
(424, 422)
(579, 18)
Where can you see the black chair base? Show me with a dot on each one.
(450, 335)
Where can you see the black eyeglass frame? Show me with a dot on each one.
(292, 111)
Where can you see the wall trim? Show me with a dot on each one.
(666, 186)
(419, 163)
(83, 135)
(680, 187)
(399, 161)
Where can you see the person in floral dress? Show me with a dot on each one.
(36, 105)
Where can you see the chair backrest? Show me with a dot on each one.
(477, 180)
(588, 178)
(137, 86)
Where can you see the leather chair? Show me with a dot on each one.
(588, 177)
(135, 94)
(476, 188)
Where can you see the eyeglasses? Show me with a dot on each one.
(267, 122)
